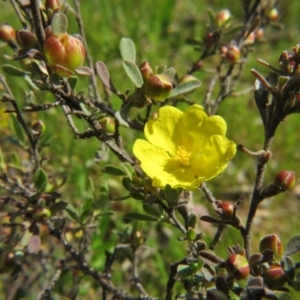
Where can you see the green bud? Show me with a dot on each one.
(158, 87)
(192, 220)
(40, 213)
(191, 234)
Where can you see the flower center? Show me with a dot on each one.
(183, 156)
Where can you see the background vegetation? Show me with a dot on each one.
(159, 30)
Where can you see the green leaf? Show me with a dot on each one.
(112, 170)
(58, 206)
(151, 210)
(185, 270)
(121, 198)
(72, 213)
(14, 71)
(25, 238)
(170, 72)
(140, 217)
(59, 23)
(133, 72)
(293, 246)
(84, 109)
(137, 196)
(17, 128)
(185, 87)
(86, 209)
(40, 179)
(283, 296)
(127, 49)
(129, 170)
(73, 81)
(170, 193)
(122, 114)
(105, 213)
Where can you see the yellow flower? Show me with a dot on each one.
(184, 149)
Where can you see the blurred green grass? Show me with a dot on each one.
(159, 29)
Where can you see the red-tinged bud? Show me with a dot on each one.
(7, 33)
(158, 87)
(137, 238)
(209, 39)
(40, 213)
(214, 294)
(52, 6)
(233, 54)
(222, 18)
(273, 243)
(285, 180)
(146, 70)
(259, 34)
(237, 266)
(274, 277)
(48, 31)
(250, 39)
(225, 208)
(287, 61)
(26, 39)
(38, 128)
(7, 261)
(273, 15)
(64, 53)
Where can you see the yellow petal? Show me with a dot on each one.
(218, 151)
(160, 132)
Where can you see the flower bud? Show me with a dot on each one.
(222, 18)
(191, 234)
(158, 87)
(64, 53)
(273, 243)
(52, 6)
(287, 61)
(250, 39)
(26, 39)
(237, 266)
(108, 124)
(274, 277)
(259, 34)
(273, 14)
(225, 208)
(146, 70)
(233, 54)
(284, 180)
(40, 213)
(7, 33)
(38, 128)
(7, 261)
(187, 78)
(137, 238)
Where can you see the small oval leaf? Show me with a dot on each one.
(170, 72)
(14, 71)
(151, 210)
(17, 128)
(293, 246)
(40, 179)
(112, 170)
(133, 72)
(59, 23)
(129, 170)
(185, 87)
(127, 49)
(140, 217)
